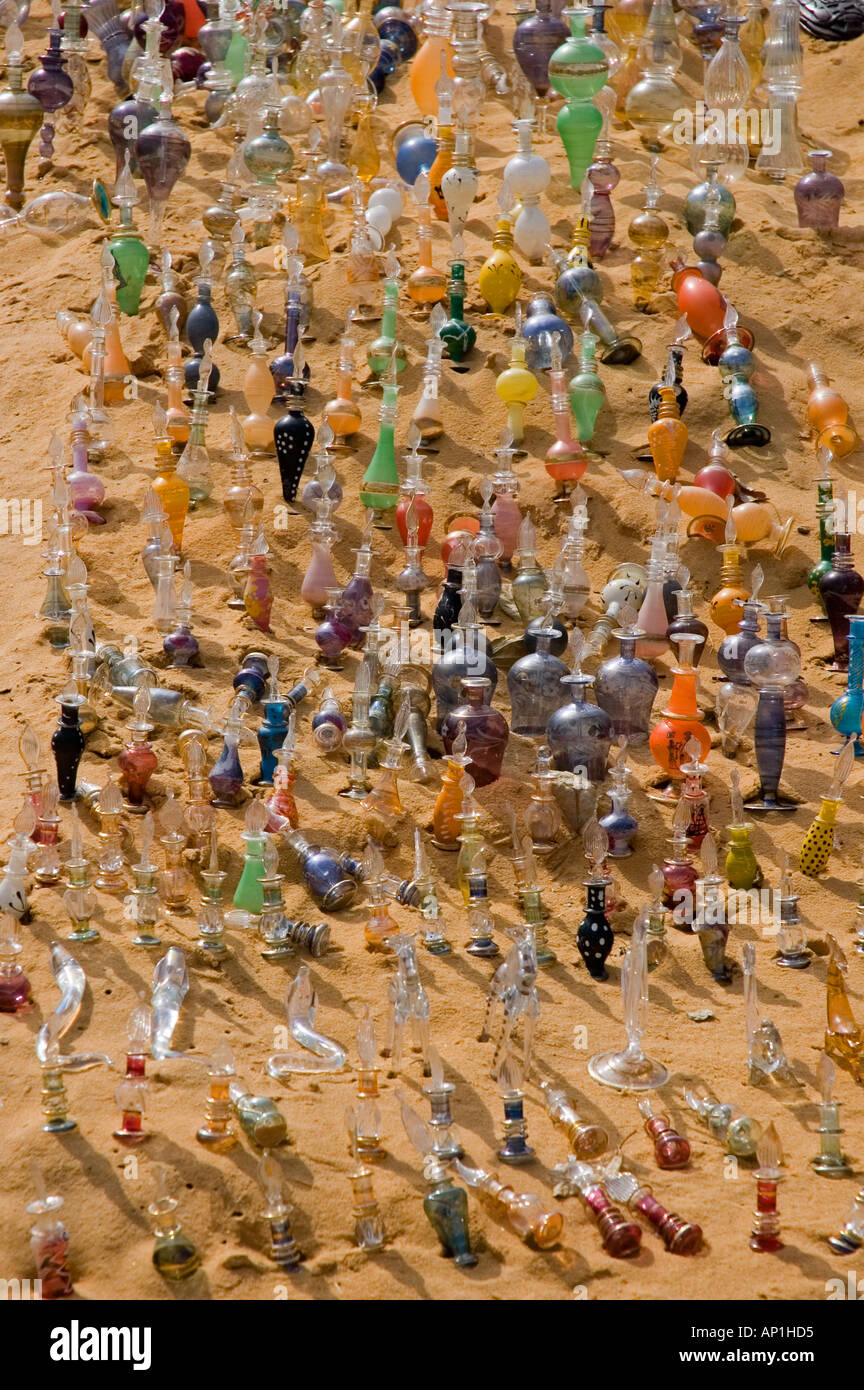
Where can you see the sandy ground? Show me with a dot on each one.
(801, 296)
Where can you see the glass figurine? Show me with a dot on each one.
(844, 1042)
(847, 710)
(828, 417)
(594, 937)
(174, 1254)
(527, 175)
(782, 79)
(513, 994)
(49, 1241)
(315, 1053)
(516, 385)
(765, 1055)
(408, 1000)
(535, 684)
(72, 983)
(819, 841)
(654, 100)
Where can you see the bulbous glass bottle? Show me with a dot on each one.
(580, 733)
(485, 729)
(626, 688)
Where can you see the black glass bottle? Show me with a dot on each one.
(841, 589)
(293, 435)
(67, 745)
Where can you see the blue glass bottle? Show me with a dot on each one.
(466, 652)
(535, 685)
(772, 665)
(579, 733)
(733, 650)
(271, 733)
(226, 774)
(848, 708)
(626, 687)
(331, 879)
(251, 679)
(541, 321)
(619, 825)
(202, 323)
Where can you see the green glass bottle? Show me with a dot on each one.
(586, 391)
(742, 866)
(131, 257)
(457, 335)
(385, 348)
(380, 485)
(446, 1207)
(578, 69)
(249, 895)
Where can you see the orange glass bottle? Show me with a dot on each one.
(172, 491)
(434, 50)
(667, 437)
(828, 415)
(682, 718)
(447, 812)
(725, 612)
(699, 301)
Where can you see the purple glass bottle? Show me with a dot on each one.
(819, 194)
(332, 636)
(626, 686)
(604, 177)
(534, 42)
(686, 624)
(163, 152)
(580, 733)
(485, 729)
(535, 685)
(126, 120)
(841, 589)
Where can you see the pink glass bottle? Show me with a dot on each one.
(88, 491)
(652, 620)
(320, 576)
(565, 459)
(505, 508)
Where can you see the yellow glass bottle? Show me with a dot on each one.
(648, 232)
(307, 215)
(363, 155)
(172, 491)
(426, 284)
(516, 385)
(725, 612)
(667, 437)
(819, 841)
(178, 418)
(500, 277)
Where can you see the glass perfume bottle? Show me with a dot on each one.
(579, 734)
(594, 937)
(782, 78)
(21, 115)
(654, 99)
(648, 232)
(630, 1068)
(619, 823)
(681, 720)
(535, 684)
(742, 866)
(500, 277)
(818, 842)
(15, 991)
(626, 685)
(457, 336)
(49, 1240)
(828, 416)
(485, 729)
(841, 589)
(772, 665)
(578, 69)
(586, 390)
(174, 1254)
(142, 908)
(726, 605)
(527, 175)
(163, 151)
(848, 709)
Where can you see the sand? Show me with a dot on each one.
(800, 293)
